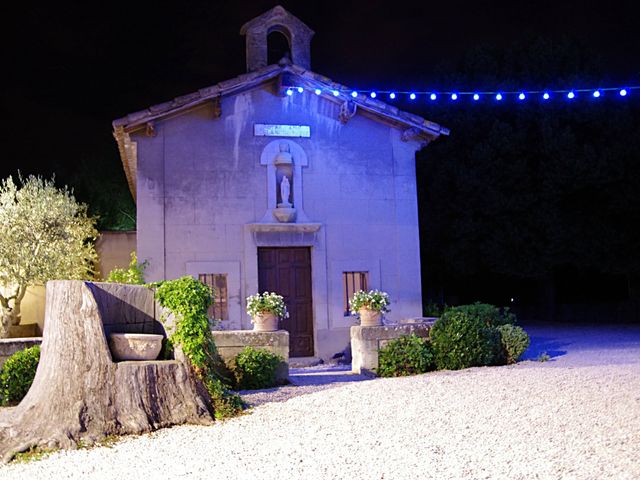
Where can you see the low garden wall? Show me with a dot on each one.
(366, 341)
(231, 342)
(9, 346)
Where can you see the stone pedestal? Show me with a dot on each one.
(366, 341)
(231, 342)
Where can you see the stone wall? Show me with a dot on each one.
(114, 250)
(231, 342)
(367, 341)
(9, 346)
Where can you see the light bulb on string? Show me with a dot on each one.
(522, 96)
(596, 94)
(373, 95)
(412, 96)
(499, 97)
(545, 95)
(335, 93)
(433, 96)
(571, 95)
(454, 96)
(289, 92)
(392, 95)
(317, 91)
(354, 94)
(623, 92)
(476, 97)
(300, 89)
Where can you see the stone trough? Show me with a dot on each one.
(367, 341)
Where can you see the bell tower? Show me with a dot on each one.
(296, 33)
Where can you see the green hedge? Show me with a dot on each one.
(16, 375)
(255, 368)
(461, 340)
(406, 355)
(515, 342)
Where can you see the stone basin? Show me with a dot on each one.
(135, 346)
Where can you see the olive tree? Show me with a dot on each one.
(44, 234)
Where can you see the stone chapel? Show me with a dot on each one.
(280, 180)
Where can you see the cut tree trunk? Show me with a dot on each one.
(80, 394)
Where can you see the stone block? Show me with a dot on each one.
(231, 342)
(367, 341)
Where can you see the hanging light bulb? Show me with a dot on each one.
(499, 97)
(571, 95)
(522, 96)
(476, 97)
(289, 92)
(623, 92)
(300, 89)
(596, 94)
(317, 91)
(433, 96)
(354, 94)
(373, 95)
(392, 95)
(454, 96)
(412, 96)
(545, 95)
(335, 93)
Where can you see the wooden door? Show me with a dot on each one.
(287, 271)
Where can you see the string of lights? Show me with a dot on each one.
(475, 96)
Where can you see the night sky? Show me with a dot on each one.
(68, 71)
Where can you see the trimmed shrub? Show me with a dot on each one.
(255, 368)
(465, 337)
(16, 375)
(490, 315)
(515, 342)
(406, 355)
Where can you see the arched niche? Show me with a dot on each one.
(278, 45)
(284, 160)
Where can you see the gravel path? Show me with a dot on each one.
(576, 416)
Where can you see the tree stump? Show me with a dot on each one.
(80, 394)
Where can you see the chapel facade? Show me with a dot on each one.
(280, 180)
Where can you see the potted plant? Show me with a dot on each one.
(369, 306)
(266, 309)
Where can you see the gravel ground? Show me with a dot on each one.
(576, 416)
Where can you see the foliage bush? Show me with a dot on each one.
(188, 299)
(407, 355)
(255, 368)
(514, 340)
(134, 274)
(16, 375)
(465, 337)
(490, 315)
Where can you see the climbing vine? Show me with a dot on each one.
(188, 300)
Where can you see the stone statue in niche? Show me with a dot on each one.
(285, 192)
(284, 212)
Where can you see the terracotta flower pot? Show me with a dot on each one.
(370, 318)
(265, 322)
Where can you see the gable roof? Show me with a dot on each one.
(414, 126)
